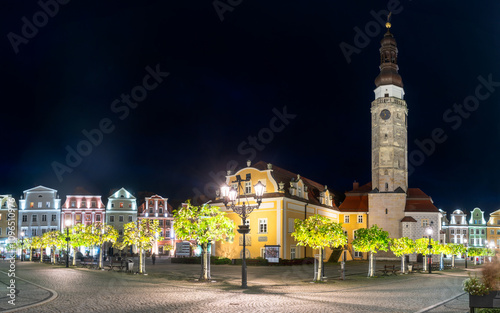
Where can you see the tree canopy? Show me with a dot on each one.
(319, 232)
(371, 239)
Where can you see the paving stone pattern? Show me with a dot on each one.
(172, 288)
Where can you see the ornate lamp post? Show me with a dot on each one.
(22, 246)
(231, 199)
(429, 233)
(68, 224)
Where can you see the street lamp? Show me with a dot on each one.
(22, 246)
(231, 199)
(68, 224)
(429, 233)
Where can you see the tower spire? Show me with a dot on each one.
(388, 60)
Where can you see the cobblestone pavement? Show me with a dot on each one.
(172, 288)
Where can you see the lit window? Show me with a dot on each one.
(73, 204)
(291, 225)
(39, 205)
(47, 204)
(130, 205)
(360, 218)
(425, 222)
(248, 187)
(292, 253)
(94, 204)
(346, 219)
(121, 204)
(32, 204)
(263, 225)
(54, 217)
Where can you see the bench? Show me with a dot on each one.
(389, 269)
(88, 262)
(416, 268)
(119, 265)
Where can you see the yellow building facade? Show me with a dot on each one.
(287, 197)
(493, 229)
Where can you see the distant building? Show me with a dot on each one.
(477, 229)
(8, 218)
(82, 207)
(493, 229)
(458, 228)
(121, 209)
(157, 208)
(39, 211)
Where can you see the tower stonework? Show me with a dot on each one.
(389, 112)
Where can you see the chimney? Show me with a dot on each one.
(355, 185)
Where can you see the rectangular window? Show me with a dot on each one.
(33, 232)
(130, 205)
(83, 204)
(98, 217)
(464, 232)
(34, 218)
(346, 219)
(161, 210)
(54, 217)
(167, 223)
(498, 232)
(39, 205)
(44, 217)
(452, 231)
(291, 225)
(111, 218)
(262, 252)
(120, 218)
(78, 217)
(492, 232)
(32, 204)
(360, 218)
(121, 204)
(299, 192)
(160, 223)
(0, 231)
(47, 204)
(73, 204)
(498, 222)
(248, 187)
(93, 204)
(44, 231)
(88, 217)
(25, 218)
(130, 218)
(263, 225)
(292, 253)
(425, 222)
(112, 205)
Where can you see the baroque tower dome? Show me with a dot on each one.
(388, 62)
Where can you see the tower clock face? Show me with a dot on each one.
(385, 114)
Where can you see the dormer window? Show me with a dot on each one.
(299, 192)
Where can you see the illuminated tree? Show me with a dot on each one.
(319, 232)
(422, 247)
(401, 247)
(143, 235)
(475, 252)
(54, 239)
(203, 224)
(36, 243)
(99, 234)
(371, 240)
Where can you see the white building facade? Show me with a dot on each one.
(39, 211)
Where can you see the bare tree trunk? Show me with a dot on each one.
(403, 267)
(453, 261)
(425, 263)
(140, 261)
(100, 257)
(371, 270)
(204, 262)
(320, 266)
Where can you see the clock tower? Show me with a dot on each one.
(387, 200)
(389, 123)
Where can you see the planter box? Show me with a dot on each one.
(491, 300)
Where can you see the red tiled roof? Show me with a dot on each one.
(418, 201)
(285, 176)
(409, 219)
(365, 188)
(354, 203)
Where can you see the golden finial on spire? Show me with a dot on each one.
(388, 24)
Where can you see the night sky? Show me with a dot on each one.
(231, 71)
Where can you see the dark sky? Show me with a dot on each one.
(228, 78)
